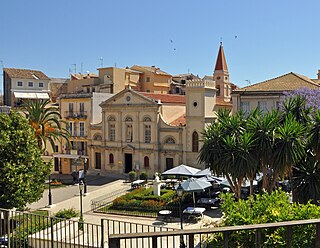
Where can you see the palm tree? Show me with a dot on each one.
(314, 139)
(46, 121)
(289, 147)
(306, 179)
(263, 127)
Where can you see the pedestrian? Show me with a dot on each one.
(74, 177)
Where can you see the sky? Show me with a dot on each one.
(261, 39)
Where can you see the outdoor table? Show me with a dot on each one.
(165, 213)
(209, 202)
(137, 183)
(195, 211)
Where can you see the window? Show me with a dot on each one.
(278, 105)
(146, 162)
(169, 163)
(147, 133)
(111, 159)
(169, 141)
(30, 84)
(147, 79)
(81, 108)
(71, 108)
(56, 148)
(19, 84)
(147, 119)
(112, 132)
(82, 129)
(245, 107)
(70, 127)
(262, 105)
(195, 142)
(218, 92)
(98, 160)
(41, 84)
(97, 137)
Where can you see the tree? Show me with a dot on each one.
(228, 149)
(46, 122)
(263, 126)
(22, 170)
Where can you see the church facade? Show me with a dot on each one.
(149, 132)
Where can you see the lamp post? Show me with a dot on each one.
(81, 210)
(50, 194)
(85, 174)
(180, 192)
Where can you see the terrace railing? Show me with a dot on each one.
(198, 237)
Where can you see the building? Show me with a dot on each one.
(22, 84)
(58, 86)
(153, 79)
(267, 95)
(79, 111)
(152, 132)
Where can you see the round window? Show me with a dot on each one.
(218, 78)
(195, 104)
(128, 98)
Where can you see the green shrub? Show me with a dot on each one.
(132, 176)
(144, 176)
(67, 213)
(267, 208)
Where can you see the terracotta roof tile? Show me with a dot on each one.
(287, 82)
(152, 69)
(221, 102)
(179, 121)
(25, 73)
(221, 64)
(165, 98)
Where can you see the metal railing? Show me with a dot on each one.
(22, 229)
(199, 237)
(107, 199)
(75, 114)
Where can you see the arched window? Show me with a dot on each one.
(146, 119)
(146, 162)
(97, 137)
(128, 119)
(195, 142)
(169, 140)
(111, 118)
(111, 159)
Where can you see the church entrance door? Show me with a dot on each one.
(128, 162)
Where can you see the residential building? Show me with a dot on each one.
(79, 111)
(153, 79)
(22, 84)
(267, 95)
(58, 86)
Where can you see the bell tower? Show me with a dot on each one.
(221, 76)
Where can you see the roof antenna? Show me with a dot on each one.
(248, 81)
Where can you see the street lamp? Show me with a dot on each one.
(85, 174)
(81, 210)
(50, 194)
(180, 191)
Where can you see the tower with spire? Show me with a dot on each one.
(221, 76)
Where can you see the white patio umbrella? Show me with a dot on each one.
(181, 170)
(203, 173)
(194, 185)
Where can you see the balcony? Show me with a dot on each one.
(75, 115)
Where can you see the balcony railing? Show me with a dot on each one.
(75, 114)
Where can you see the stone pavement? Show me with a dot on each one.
(99, 186)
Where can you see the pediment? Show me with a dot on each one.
(128, 148)
(128, 97)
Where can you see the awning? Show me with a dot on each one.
(31, 95)
(42, 95)
(25, 95)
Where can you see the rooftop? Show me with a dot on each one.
(25, 74)
(165, 98)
